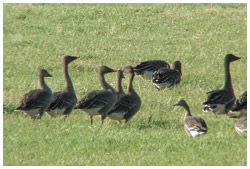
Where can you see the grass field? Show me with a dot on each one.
(199, 35)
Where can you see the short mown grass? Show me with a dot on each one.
(199, 35)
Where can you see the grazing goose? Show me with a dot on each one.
(99, 102)
(166, 77)
(193, 125)
(64, 101)
(128, 104)
(221, 101)
(147, 68)
(37, 101)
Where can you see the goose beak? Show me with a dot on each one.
(49, 75)
(176, 104)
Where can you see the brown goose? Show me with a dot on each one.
(99, 102)
(147, 68)
(193, 125)
(240, 105)
(221, 101)
(128, 104)
(35, 102)
(166, 77)
(64, 101)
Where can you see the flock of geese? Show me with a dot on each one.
(119, 105)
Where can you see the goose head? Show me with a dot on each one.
(44, 73)
(177, 66)
(67, 59)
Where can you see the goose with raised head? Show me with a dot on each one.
(147, 68)
(167, 78)
(99, 102)
(128, 104)
(221, 101)
(193, 125)
(64, 101)
(35, 102)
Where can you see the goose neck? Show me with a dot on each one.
(103, 82)
(42, 83)
(119, 84)
(228, 82)
(130, 88)
(69, 84)
(188, 113)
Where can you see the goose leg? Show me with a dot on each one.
(66, 116)
(91, 120)
(119, 121)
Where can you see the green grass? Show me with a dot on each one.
(199, 35)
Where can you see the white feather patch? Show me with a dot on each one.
(117, 116)
(56, 112)
(147, 75)
(160, 85)
(92, 112)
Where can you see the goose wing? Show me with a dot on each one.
(95, 99)
(196, 124)
(219, 97)
(151, 65)
(123, 105)
(169, 76)
(34, 99)
(62, 100)
(241, 102)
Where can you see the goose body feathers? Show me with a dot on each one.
(147, 68)
(167, 78)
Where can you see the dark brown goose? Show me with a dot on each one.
(166, 77)
(221, 101)
(99, 102)
(64, 101)
(35, 102)
(128, 104)
(147, 68)
(193, 125)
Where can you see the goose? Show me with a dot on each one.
(193, 125)
(128, 104)
(221, 101)
(63, 101)
(147, 68)
(165, 77)
(35, 102)
(99, 102)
